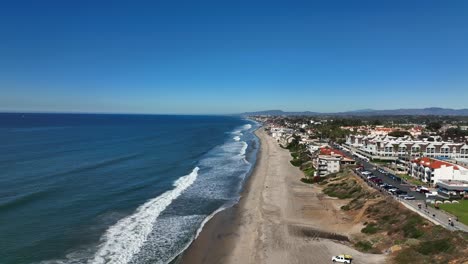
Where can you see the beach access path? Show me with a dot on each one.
(279, 219)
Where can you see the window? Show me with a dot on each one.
(430, 150)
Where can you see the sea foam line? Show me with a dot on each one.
(124, 239)
(243, 149)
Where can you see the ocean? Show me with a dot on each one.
(85, 188)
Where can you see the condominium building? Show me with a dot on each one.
(330, 161)
(382, 147)
(433, 171)
(327, 164)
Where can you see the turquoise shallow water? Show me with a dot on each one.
(115, 188)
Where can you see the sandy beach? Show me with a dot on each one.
(278, 220)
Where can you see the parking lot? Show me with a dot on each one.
(388, 178)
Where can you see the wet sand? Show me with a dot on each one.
(278, 220)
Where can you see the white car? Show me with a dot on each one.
(342, 259)
(409, 197)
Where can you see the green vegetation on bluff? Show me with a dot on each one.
(301, 159)
(389, 225)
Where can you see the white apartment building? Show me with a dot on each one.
(278, 132)
(434, 171)
(327, 164)
(382, 147)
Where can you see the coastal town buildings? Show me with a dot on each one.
(413, 130)
(388, 147)
(283, 135)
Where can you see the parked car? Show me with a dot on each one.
(400, 192)
(422, 189)
(409, 197)
(384, 172)
(388, 187)
(376, 180)
(342, 258)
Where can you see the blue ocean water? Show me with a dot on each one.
(79, 188)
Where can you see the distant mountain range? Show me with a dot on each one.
(436, 111)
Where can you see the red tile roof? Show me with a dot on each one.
(433, 163)
(328, 151)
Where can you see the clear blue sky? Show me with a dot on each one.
(232, 56)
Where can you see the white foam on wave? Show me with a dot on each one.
(243, 128)
(125, 239)
(237, 132)
(244, 148)
(243, 151)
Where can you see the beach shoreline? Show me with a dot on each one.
(217, 237)
(278, 219)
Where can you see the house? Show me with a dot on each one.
(330, 161)
(326, 164)
(345, 160)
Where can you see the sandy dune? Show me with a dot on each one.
(279, 220)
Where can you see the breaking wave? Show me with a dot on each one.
(125, 239)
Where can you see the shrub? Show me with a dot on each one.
(370, 229)
(408, 256)
(364, 245)
(296, 162)
(412, 231)
(312, 180)
(435, 247)
(386, 217)
(345, 208)
(410, 228)
(307, 180)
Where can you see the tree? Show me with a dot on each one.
(399, 133)
(376, 122)
(434, 126)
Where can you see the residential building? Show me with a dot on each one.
(388, 147)
(326, 164)
(433, 171)
(330, 161)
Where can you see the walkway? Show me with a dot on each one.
(436, 216)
